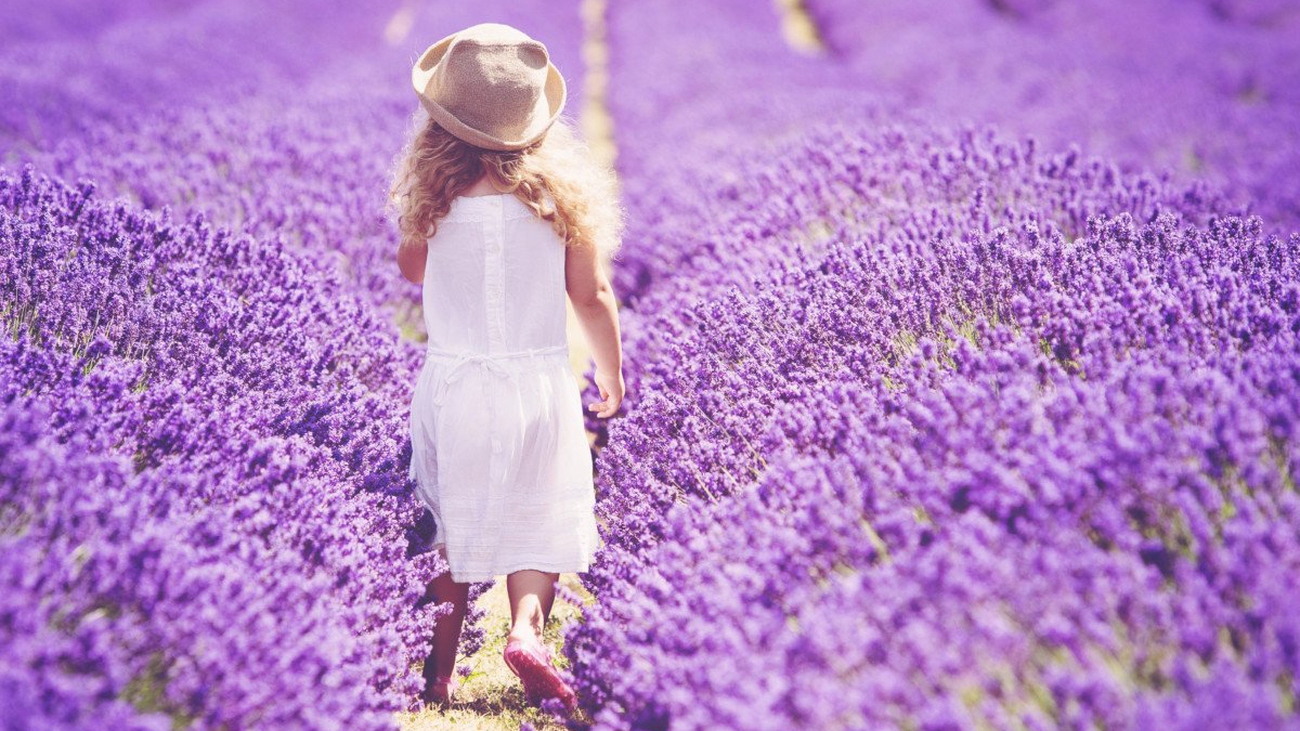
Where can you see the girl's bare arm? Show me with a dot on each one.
(410, 259)
(597, 311)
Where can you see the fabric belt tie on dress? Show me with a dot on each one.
(491, 362)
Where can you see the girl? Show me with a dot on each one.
(502, 212)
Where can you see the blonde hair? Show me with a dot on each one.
(557, 177)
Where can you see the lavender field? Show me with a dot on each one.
(962, 343)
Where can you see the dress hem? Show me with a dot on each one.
(559, 568)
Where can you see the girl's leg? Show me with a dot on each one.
(531, 593)
(446, 633)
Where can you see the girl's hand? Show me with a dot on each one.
(611, 389)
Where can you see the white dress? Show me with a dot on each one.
(499, 451)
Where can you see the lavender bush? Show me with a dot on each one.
(1209, 89)
(935, 428)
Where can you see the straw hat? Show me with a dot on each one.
(491, 86)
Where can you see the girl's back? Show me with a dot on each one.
(494, 278)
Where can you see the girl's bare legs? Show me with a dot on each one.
(446, 633)
(531, 593)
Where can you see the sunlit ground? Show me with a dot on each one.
(491, 696)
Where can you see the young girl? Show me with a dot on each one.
(502, 211)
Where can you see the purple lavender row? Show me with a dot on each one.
(252, 377)
(1206, 89)
(692, 222)
(1170, 463)
(36, 21)
(72, 81)
(931, 429)
(132, 602)
(892, 185)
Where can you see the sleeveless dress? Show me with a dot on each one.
(499, 450)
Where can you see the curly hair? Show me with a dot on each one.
(557, 177)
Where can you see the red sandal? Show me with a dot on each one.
(531, 661)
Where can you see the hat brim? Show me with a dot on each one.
(549, 105)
